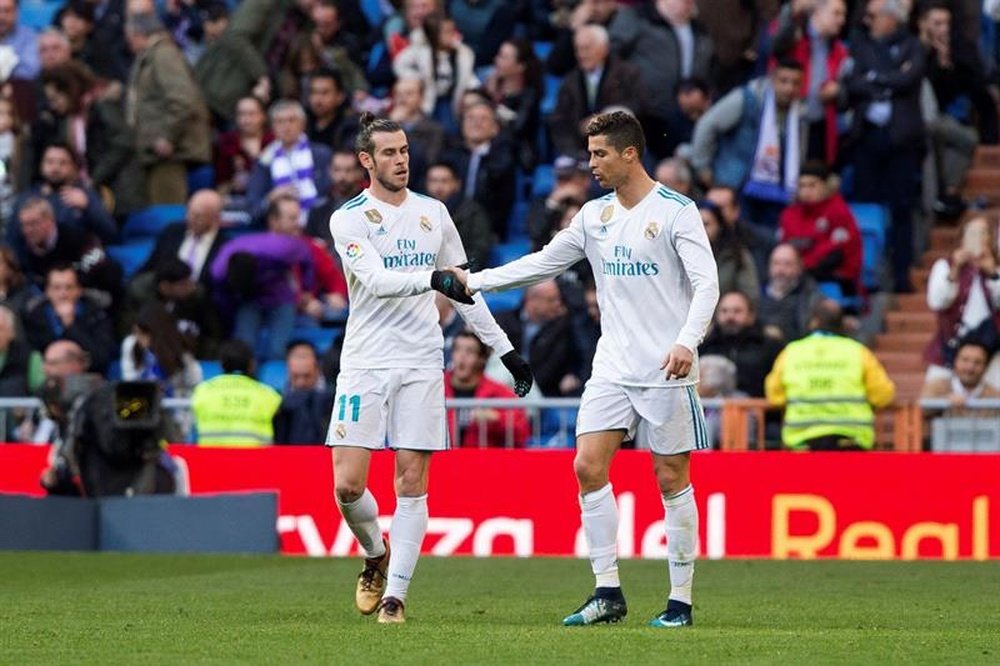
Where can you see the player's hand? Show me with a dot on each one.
(678, 362)
(520, 370)
(449, 284)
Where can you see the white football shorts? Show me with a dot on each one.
(396, 408)
(666, 421)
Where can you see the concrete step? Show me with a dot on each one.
(930, 256)
(944, 238)
(902, 342)
(910, 322)
(901, 361)
(987, 157)
(910, 303)
(918, 278)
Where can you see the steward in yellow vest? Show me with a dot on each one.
(829, 385)
(234, 409)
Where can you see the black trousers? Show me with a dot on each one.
(889, 174)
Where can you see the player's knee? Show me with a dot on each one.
(348, 493)
(590, 473)
(671, 478)
(410, 483)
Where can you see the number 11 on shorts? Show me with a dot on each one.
(355, 402)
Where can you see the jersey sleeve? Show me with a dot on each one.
(564, 250)
(692, 246)
(478, 316)
(361, 259)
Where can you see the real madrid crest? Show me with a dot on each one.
(607, 213)
(341, 431)
(425, 224)
(652, 229)
(373, 216)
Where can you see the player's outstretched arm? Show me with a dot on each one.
(564, 250)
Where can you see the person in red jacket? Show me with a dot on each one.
(480, 426)
(821, 227)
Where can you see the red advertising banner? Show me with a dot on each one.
(496, 502)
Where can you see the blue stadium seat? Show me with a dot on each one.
(210, 369)
(517, 227)
(201, 178)
(131, 255)
(149, 222)
(273, 373)
(873, 223)
(114, 371)
(503, 253)
(542, 50)
(372, 9)
(321, 338)
(37, 14)
(551, 94)
(544, 180)
(500, 301)
(831, 290)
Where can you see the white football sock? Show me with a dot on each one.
(361, 516)
(682, 541)
(599, 511)
(409, 524)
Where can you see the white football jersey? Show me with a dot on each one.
(657, 282)
(388, 254)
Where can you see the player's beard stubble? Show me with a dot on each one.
(392, 178)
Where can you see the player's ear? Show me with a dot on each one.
(630, 154)
(366, 160)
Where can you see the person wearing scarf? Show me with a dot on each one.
(290, 165)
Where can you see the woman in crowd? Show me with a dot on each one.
(736, 267)
(438, 57)
(15, 289)
(964, 290)
(236, 152)
(155, 351)
(516, 88)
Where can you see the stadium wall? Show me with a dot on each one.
(496, 502)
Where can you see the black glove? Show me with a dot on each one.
(448, 284)
(520, 370)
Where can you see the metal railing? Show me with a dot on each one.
(742, 423)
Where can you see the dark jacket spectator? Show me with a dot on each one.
(887, 137)
(307, 403)
(73, 203)
(601, 80)
(737, 336)
(65, 313)
(789, 296)
(648, 36)
(485, 160)
(471, 220)
(542, 333)
(195, 241)
(47, 245)
(516, 89)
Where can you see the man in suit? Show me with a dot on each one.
(195, 241)
(485, 162)
(541, 331)
(600, 80)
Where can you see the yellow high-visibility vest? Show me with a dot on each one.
(234, 410)
(823, 377)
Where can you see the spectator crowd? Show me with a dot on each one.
(777, 119)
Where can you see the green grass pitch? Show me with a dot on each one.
(168, 609)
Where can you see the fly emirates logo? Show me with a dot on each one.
(407, 256)
(622, 264)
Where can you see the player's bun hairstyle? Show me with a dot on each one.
(369, 124)
(622, 130)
